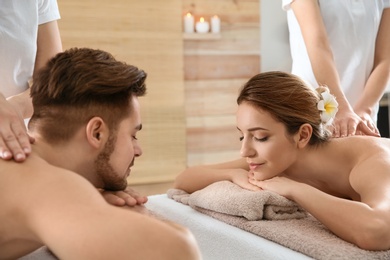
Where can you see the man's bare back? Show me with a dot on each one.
(45, 205)
(52, 198)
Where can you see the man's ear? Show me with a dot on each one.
(303, 136)
(96, 132)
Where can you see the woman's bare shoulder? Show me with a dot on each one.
(371, 175)
(362, 145)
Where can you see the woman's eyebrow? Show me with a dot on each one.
(255, 129)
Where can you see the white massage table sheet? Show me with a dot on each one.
(218, 240)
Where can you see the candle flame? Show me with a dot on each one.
(188, 14)
(201, 20)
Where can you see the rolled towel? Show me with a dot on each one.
(229, 198)
(178, 195)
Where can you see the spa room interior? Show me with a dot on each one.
(193, 79)
(188, 114)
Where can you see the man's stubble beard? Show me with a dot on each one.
(110, 178)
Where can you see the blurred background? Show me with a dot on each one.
(189, 112)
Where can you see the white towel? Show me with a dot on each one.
(229, 198)
(305, 235)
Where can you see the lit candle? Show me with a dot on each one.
(215, 24)
(202, 26)
(188, 23)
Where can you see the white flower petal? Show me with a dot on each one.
(328, 106)
(325, 117)
(327, 97)
(321, 105)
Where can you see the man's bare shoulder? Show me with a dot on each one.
(30, 193)
(31, 174)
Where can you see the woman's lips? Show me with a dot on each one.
(254, 166)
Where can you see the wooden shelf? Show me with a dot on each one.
(201, 36)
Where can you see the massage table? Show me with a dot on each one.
(218, 240)
(230, 222)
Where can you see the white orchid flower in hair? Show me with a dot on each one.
(328, 106)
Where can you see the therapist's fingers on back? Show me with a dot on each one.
(352, 126)
(372, 127)
(367, 130)
(5, 153)
(14, 143)
(23, 139)
(345, 128)
(336, 130)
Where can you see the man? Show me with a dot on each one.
(86, 118)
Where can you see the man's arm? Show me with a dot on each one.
(66, 213)
(127, 197)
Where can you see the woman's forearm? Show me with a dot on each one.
(198, 177)
(353, 221)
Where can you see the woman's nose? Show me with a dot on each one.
(246, 148)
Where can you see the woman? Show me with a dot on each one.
(345, 45)
(287, 149)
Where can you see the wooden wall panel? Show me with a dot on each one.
(211, 97)
(214, 71)
(147, 35)
(189, 111)
(235, 39)
(230, 11)
(217, 138)
(220, 66)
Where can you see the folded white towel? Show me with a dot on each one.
(306, 235)
(229, 198)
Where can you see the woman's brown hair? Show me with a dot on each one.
(288, 99)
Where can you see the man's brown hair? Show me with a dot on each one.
(78, 84)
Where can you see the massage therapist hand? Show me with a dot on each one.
(347, 123)
(14, 140)
(367, 121)
(127, 197)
